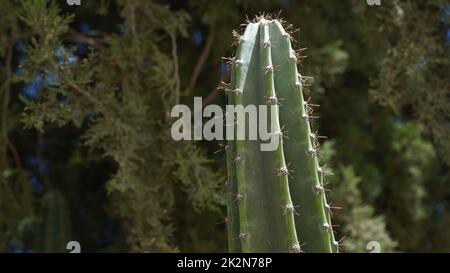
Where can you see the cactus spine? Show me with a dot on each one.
(53, 231)
(276, 198)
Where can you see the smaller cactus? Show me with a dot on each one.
(54, 227)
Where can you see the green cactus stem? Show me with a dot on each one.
(276, 198)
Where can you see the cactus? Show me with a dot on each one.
(53, 232)
(276, 198)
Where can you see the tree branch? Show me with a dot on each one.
(88, 96)
(6, 94)
(6, 99)
(76, 37)
(201, 61)
(176, 75)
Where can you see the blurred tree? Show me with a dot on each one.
(413, 75)
(356, 220)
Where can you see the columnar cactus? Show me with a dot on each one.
(53, 231)
(276, 198)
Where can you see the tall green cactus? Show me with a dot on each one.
(276, 198)
(53, 232)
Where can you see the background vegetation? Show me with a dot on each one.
(86, 94)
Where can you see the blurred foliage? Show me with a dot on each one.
(355, 219)
(414, 74)
(87, 91)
